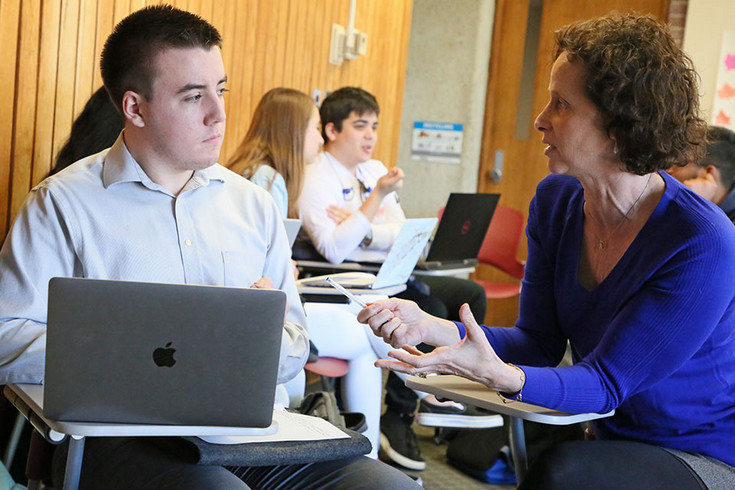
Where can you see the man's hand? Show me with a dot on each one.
(390, 182)
(262, 283)
(338, 213)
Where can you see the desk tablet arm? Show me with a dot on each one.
(47, 432)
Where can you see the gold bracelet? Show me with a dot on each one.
(516, 397)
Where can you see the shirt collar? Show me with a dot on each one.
(121, 167)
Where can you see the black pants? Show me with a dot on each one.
(125, 463)
(609, 465)
(446, 296)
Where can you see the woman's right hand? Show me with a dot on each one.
(401, 322)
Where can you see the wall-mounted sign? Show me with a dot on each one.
(723, 108)
(436, 142)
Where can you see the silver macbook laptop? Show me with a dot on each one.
(148, 353)
(398, 264)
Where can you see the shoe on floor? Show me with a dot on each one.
(456, 415)
(398, 441)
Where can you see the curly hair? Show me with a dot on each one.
(643, 84)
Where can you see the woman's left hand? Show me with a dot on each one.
(472, 357)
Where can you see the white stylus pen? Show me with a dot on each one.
(342, 290)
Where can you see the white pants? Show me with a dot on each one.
(335, 331)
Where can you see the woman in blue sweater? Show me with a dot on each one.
(625, 263)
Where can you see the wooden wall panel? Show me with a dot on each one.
(24, 128)
(9, 27)
(53, 47)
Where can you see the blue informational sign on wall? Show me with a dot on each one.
(436, 142)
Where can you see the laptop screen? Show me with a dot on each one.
(462, 227)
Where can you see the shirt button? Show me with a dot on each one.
(187, 242)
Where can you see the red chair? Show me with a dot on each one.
(329, 368)
(499, 249)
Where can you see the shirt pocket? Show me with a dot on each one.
(241, 269)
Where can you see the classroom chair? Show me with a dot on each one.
(499, 250)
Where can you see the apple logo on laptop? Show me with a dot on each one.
(466, 227)
(164, 356)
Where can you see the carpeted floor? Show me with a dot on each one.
(439, 475)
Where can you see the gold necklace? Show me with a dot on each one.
(602, 243)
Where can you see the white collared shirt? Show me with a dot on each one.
(104, 218)
(327, 182)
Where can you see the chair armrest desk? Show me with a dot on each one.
(28, 399)
(310, 265)
(476, 394)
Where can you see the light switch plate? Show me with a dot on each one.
(361, 40)
(336, 45)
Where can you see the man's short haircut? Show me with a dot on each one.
(721, 153)
(129, 56)
(338, 106)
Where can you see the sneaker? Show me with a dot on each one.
(457, 415)
(398, 441)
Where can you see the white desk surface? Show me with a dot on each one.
(33, 396)
(330, 291)
(473, 393)
(355, 266)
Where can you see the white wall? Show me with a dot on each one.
(706, 19)
(446, 81)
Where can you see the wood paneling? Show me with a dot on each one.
(52, 49)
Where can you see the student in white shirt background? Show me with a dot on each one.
(284, 136)
(351, 211)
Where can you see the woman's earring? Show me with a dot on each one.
(615, 148)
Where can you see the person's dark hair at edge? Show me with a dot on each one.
(338, 106)
(128, 58)
(96, 128)
(721, 153)
(644, 85)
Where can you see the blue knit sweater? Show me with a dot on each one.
(655, 340)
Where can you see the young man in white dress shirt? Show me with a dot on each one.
(350, 209)
(157, 207)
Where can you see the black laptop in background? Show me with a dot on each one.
(460, 233)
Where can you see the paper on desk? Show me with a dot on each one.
(291, 427)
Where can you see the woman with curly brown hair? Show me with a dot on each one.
(625, 263)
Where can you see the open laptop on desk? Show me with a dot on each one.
(398, 264)
(148, 353)
(461, 231)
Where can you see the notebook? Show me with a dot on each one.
(398, 264)
(148, 353)
(460, 233)
(292, 229)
